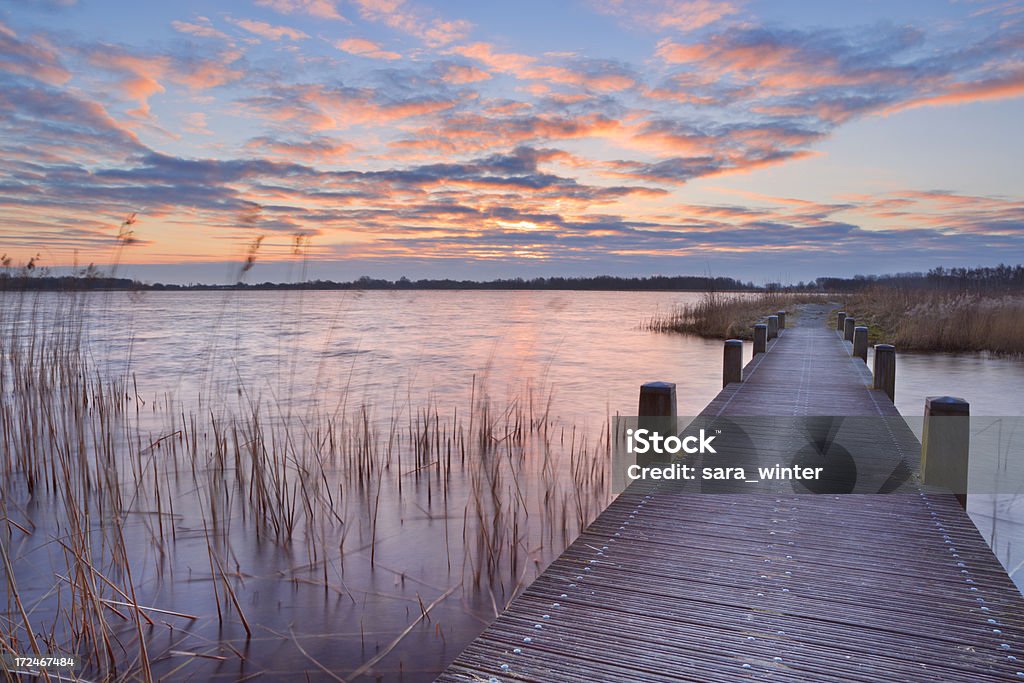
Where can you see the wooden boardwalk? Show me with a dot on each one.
(776, 586)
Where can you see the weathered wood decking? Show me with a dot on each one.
(779, 587)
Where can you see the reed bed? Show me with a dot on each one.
(726, 315)
(116, 489)
(917, 319)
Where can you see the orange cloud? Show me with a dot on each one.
(1000, 88)
(141, 79)
(143, 76)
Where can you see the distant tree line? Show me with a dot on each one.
(987, 280)
(64, 282)
(602, 282)
(981, 280)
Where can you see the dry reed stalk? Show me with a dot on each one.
(721, 315)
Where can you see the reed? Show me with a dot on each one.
(726, 315)
(921, 319)
(86, 456)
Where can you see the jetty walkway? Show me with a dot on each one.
(774, 586)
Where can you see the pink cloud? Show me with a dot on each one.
(404, 17)
(476, 132)
(35, 58)
(460, 74)
(503, 62)
(207, 74)
(321, 9)
(321, 108)
(525, 67)
(677, 15)
(365, 48)
(142, 76)
(317, 149)
(269, 31)
(942, 210)
(196, 124)
(201, 29)
(1001, 87)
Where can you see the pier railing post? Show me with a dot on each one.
(885, 369)
(657, 399)
(848, 326)
(732, 367)
(782, 319)
(656, 413)
(840, 320)
(860, 342)
(760, 338)
(773, 326)
(945, 444)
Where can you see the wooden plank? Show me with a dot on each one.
(717, 587)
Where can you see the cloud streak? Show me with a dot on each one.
(395, 130)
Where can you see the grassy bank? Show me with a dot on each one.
(728, 315)
(935, 320)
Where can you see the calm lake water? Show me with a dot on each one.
(576, 357)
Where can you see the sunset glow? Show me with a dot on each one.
(752, 139)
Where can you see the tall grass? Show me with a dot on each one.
(940, 320)
(86, 456)
(725, 315)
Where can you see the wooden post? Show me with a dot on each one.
(657, 399)
(848, 326)
(782, 319)
(732, 367)
(840, 320)
(945, 444)
(773, 326)
(760, 338)
(860, 342)
(657, 414)
(885, 369)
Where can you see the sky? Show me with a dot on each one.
(768, 141)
